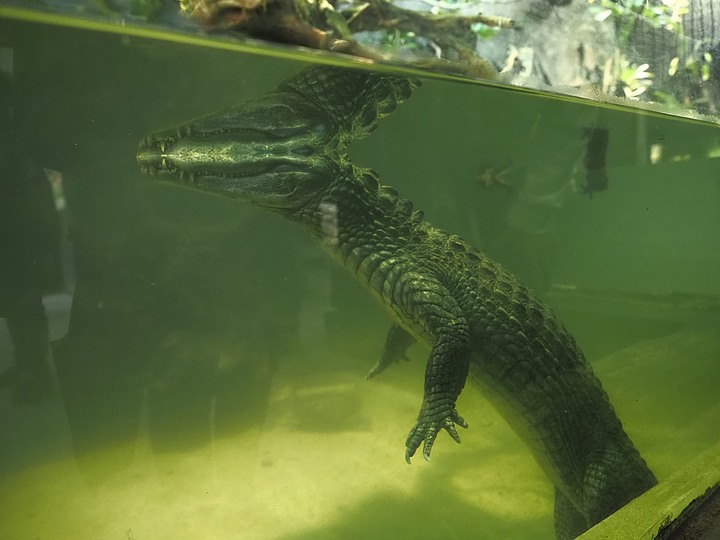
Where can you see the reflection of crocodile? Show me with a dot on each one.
(285, 152)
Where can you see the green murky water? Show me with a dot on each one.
(208, 360)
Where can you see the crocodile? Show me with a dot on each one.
(287, 152)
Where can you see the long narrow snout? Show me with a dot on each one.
(274, 152)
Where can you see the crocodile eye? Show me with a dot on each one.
(305, 150)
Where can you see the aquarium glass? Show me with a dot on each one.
(198, 365)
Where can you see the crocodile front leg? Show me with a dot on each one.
(423, 303)
(445, 376)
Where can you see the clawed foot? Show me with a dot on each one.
(427, 428)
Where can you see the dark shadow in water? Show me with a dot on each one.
(175, 333)
(163, 275)
(29, 257)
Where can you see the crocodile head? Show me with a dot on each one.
(276, 152)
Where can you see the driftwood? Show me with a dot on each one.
(320, 25)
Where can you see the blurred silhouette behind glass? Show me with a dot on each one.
(29, 259)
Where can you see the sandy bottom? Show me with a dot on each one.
(328, 461)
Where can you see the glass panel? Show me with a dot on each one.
(178, 364)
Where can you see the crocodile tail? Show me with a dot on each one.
(569, 522)
(613, 478)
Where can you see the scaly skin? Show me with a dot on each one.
(285, 152)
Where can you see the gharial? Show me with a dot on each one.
(286, 152)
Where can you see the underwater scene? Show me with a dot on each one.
(176, 361)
